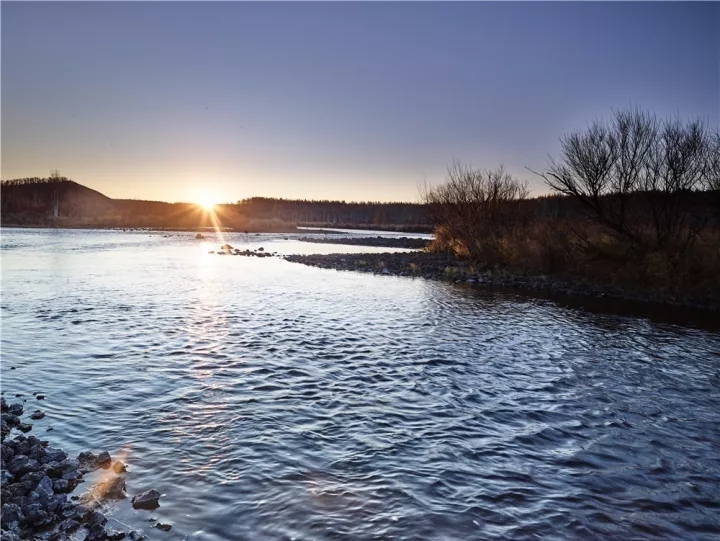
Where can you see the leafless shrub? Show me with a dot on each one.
(633, 174)
(475, 208)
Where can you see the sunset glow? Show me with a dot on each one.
(206, 201)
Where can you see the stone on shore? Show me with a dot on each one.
(104, 460)
(146, 500)
(36, 480)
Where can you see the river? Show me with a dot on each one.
(270, 400)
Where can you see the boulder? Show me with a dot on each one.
(104, 460)
(69, 525)
(119, 467)
(11, 513)
(146, 500)
(95, 533)
(20, 465)
(15, 409)
(114, 535)
(110, 489)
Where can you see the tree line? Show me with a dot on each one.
(643, 196)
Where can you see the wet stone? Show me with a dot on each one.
(146, 500)
(114, 535)
(104, 460)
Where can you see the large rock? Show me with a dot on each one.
(15, 409)
(36, 516)
(103, 460)
(150, 499)
(53, 455)
(43, 493)
(20, 465)
(11, 513)
(87, 461)
(112, 489)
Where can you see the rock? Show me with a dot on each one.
(56, 469)
(136, 536)
(10, 419)
(24, 427)
(114, 535)
(163, 527)
(199, 236)
(53, 455)
(87, 461)
(20, 465)
(37, 415)
(261, 249)
(146, 500)
(40, 397)
(35, 515)
(15, 409)
(43, 494)
(5, 477)
(11, 513)
(113, 488)
(63, 486)
(103, 459)
(96, 518)
(119, 467)
(226, 247)
(95, 533)
(69, 525)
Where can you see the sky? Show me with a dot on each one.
(178, 101)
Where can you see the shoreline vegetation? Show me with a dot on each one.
(38, 482)
(634, 213)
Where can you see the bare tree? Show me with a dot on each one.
(633, 175)
(475, 206)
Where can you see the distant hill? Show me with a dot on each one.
(37, 201)
(61, 202)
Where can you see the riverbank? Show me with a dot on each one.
(383, 242)
(38, 481)
(449, 268)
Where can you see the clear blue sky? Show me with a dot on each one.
(354, 101)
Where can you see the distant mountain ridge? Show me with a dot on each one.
(61, 202)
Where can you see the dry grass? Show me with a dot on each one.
(582, 250)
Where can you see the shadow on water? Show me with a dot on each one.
(656, 313)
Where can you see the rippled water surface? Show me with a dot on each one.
(269, 400)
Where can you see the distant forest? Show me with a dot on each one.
(59, 201)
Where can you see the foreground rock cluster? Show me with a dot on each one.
(226, 249)
(447, 267)
(37, 481)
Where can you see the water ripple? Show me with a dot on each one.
(267, 400)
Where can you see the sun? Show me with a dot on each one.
(206, 201)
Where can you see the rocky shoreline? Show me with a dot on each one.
(383, 242)
(37, 485)
(449, 268)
